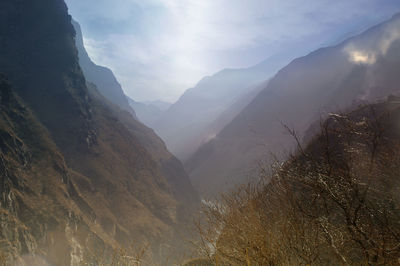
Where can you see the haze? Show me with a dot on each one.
(160, 48)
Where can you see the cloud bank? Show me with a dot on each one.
(159, 48)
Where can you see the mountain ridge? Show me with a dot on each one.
(358, 69)
(103, 77)
(106, 181)
(189, 121)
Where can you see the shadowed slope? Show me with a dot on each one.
(103, 77)
(361, 68)
(123, 185)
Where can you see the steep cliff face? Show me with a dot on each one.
(40, 206)
(84, 175)
(103, 77)
(359, 69)
(38, 56)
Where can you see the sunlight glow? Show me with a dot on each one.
(360, 57)
(367, 54)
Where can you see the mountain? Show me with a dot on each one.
(232, 111)
(361, 68)
(330, 203)
(186, 124)
(163, 106)
(80, 177)
(103, 77)
(148, 112)
(38, 198)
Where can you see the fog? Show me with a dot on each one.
(160, 48)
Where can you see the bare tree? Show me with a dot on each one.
(335, 202)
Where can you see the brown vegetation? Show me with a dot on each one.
(78, 176)
(335, 202)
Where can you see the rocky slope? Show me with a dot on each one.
(103, 77)
(39, 201)
(80, 176)
(359, 69)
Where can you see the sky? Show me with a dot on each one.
(159, 48)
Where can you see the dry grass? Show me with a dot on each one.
(334, 203)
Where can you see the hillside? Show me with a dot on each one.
(39, 199)
(361, 68)
(87, 177)
(335, 201)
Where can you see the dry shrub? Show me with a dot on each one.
(334, 203)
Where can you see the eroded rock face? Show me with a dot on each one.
(35, 206)
(79, 177)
